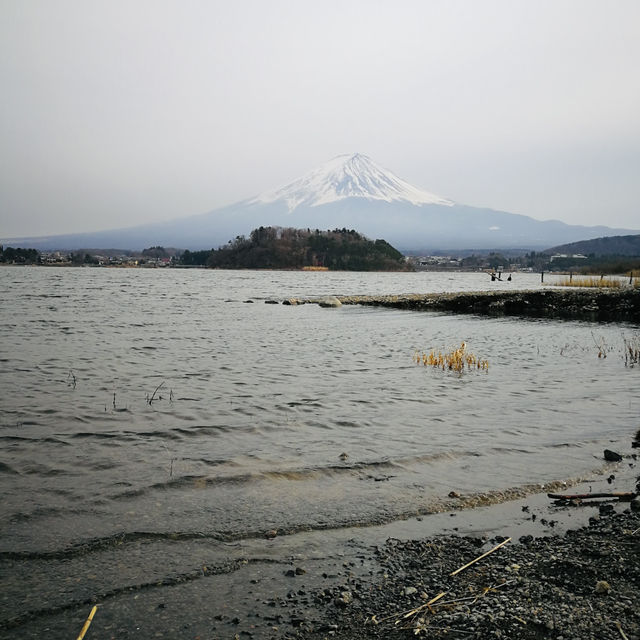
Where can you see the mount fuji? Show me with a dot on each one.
(349, 191)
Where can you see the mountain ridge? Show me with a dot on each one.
(606, 246)
(349, 191)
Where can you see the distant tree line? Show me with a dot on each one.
(80, 258)
(158, 252)
(605, 265)
(17, 255)
(541, 261)
(620, 246)
(492, 261)
(288, 248)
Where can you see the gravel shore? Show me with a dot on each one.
(583, 585)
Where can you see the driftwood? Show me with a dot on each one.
(621, 495)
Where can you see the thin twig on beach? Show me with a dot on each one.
(622, 633)
(484, 555)
(417, 630)
(421, 607)
(87, 624)
(485, 590)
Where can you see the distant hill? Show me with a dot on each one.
(628, 246)
(278, 248)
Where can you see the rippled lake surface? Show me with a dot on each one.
(161, 407)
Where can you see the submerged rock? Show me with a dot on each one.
(330, 301)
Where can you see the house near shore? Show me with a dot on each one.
(575, 256)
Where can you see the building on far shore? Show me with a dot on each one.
(574, 256)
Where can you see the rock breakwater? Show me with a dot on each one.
(587, 304)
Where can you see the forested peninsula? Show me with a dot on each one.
(288, 248)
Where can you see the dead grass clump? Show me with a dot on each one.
(456, 360)
(631, 352)
(590, 281)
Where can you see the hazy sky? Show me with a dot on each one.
(118, 112)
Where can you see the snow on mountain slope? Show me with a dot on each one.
(348, 176)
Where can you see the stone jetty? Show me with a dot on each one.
(584, 303)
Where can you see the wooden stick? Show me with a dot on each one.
(484, 555)
(622, 633)
(88, 622)
(622, 495)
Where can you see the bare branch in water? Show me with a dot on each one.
(153, 395)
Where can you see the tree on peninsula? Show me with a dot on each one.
(288, 248)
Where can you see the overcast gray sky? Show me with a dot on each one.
(119, 112)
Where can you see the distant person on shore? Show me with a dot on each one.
(509, 278)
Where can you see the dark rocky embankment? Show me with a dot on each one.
(584, 304)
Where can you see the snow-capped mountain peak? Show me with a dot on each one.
(349, 176)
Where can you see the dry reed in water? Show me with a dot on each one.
(455, 360)
(631, 351)
(591, 281)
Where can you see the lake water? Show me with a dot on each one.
(153, 422)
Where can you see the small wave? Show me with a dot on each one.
(347, 423)
(82, 435)
(5, 468)
(18, 438)
(307, 403)
(294, 474)
(199, 430)
(37, 469)
(180, 578)
(435, 505)
(46, 512)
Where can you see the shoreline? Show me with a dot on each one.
(563, 571)
(328, 584)
(577, 586)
